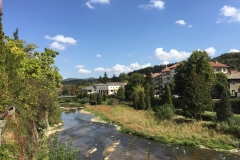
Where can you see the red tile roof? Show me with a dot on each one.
(218, 64)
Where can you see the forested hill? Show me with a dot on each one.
(230, 59)
(154, 69)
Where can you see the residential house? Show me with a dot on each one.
(219, 67)
(234, 83)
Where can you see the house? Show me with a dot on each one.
(234, 83)
(109, 88)
(219, 67)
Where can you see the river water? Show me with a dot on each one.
(102, 141)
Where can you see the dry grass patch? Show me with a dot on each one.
(144, 123)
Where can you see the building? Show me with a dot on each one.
(167, 74)
(234, 83)
(157, 82)
(109, 88)
(162, 79)
(219, 67)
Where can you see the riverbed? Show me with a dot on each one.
(102, 141)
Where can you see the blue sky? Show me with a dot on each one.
(116, 36)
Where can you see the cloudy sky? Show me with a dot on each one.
(115, 36)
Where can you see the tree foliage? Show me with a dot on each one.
(194, 80)
(29, 80)
(120, 94)
(224, 109)
(221, 84)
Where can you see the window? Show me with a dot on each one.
(168, 78)
(111, 90)
(233, 83)
(233, 92)
(217, 70)
(224, 70)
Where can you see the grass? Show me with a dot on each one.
(179, 131)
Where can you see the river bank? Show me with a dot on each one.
(143, 123)
(98, 140)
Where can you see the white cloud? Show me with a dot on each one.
(84, 71)
(233, 50)
(136, 66)
(98, 55)
(190, 26)
(62, 39)
(211, 51)
(165, 62)
(231, 12)
(79, 66)
(146, 65)
(181, 22)
(90, 2)
(57, 46)
(121, 68)
(172, 55)
(158, 4)
(100, 69)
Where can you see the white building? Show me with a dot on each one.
(109, 88)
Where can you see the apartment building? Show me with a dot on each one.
(157, 82)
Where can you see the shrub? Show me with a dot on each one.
(67, 100)
(62, 151)
(165, 111)
(231, 126)
(93, 102)
(112, 101)
(83, 101)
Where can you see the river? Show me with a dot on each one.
(102, 141)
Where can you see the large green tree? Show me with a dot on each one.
(196, 79)
(120, 94)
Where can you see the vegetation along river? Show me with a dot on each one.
(102, 141)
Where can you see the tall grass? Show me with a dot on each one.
(178, 131)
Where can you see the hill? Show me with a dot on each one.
(230, 59)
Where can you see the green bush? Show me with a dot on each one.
(111, 101)
(93, 102)
(62, 152)
(165, 111)
(231, 126)
(235, 102)
(83, 100)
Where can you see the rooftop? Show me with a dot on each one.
(218, 64)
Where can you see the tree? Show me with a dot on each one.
(100, 80)
(197, 97)
(15, 34)
(114, 78)
(198, 62)
(73, 90)
(123, 77)
(141, 102)
(105, 78)
(135, 100)
(222, 83)
(168, 96)
(224, 109)
(99, 98)
(152, 96)
(148, 75)
(195, 79)
(120, 94)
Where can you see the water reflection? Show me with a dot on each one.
(99, 141)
